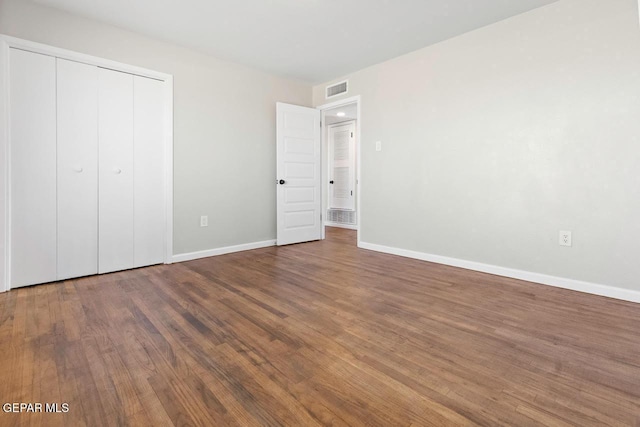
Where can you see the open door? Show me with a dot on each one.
(298, 174)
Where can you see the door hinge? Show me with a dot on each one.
(351, 134)
(352, 192)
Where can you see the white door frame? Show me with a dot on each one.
(7, 42)
(325, 149)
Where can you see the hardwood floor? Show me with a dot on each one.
(317, 334)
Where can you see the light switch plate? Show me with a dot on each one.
(378, 145)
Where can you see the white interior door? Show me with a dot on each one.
(342, 162)
(32, 95)
(77, 169)
(115, 148)
(148, 141)
(298, 174)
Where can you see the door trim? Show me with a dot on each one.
(325, 149)
(6, 43)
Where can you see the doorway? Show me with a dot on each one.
(341, 164)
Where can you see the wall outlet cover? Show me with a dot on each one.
(564, 238)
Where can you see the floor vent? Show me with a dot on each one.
(337, 89)
(339, 216)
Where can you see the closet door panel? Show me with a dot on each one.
(149, 206)
(77, 169)
(115, 154)
(32, 97)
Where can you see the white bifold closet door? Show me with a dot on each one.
(131, 165)
(87, 169)
(77, 169)
(32, 95)
(149, 213)
(115, 153)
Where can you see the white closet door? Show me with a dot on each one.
(115, 153)
(149, 206)
(342, 162)
(77, 169)
(33, 167)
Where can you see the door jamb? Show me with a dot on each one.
(351, 100)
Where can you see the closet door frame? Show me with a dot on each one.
(7, 43)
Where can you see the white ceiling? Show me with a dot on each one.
(310, 40)
(350, 113)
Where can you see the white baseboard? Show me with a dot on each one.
(221, 251)
(335, 224)
(558, 282)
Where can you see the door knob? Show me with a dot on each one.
(330, 182)
(79, 170)
(117, 171)
(281, 182)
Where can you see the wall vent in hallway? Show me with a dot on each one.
(339, 216)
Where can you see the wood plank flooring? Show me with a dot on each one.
(320, 333)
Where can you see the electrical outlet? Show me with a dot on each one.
(204, 221)
(565, 238)
(378, 145)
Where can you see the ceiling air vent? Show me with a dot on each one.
(337, 89)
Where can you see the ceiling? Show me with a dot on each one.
(309, 40)
(350, 113)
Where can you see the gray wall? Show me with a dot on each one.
(492, 141)
(224, 124)
(497, 139)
